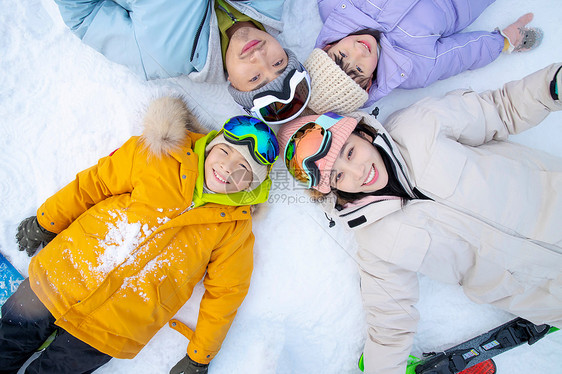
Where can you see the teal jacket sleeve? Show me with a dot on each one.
(154, 38)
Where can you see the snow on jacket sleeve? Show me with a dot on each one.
(111, 176)
(226, 284)
(389, 294)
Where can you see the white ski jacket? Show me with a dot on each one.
(492, 224)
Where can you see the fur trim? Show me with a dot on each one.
(166, 124)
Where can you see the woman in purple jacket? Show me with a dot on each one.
(366, 48)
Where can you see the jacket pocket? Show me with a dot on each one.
(100, 219)
(410, 247)
(391, 241)
(93, 225)
(491, 286)
(168, 296)
(444, 169)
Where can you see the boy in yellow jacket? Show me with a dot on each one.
(129, 239)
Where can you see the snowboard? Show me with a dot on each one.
(467, 357)
(10, 279)
(485, 367)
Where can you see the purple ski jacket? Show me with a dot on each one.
(420, 39)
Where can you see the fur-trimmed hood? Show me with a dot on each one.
(166, 124)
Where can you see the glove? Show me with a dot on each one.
(520, 37)
(187, 366)
(31, 235)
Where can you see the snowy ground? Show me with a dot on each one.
(63, 106)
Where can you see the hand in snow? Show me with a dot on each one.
(522, 38)
(31, 235)
(187, 366)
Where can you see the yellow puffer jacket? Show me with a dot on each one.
(130, 248)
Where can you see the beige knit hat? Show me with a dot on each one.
(332, 89)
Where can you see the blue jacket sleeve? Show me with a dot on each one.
(154, 38)
(105, 26)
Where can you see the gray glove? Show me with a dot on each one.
(31, 235)
(187, 366)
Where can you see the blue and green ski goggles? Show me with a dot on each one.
(255, 134)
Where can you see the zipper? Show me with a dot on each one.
(230, 15)
(198, 33)
(389, 145)
(416, 194)
(191, 206)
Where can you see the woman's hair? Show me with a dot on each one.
(363, 81)
(393, 188)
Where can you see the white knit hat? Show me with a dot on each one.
(332, 89)
(259, 171)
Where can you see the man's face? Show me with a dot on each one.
(253, 59)
(226, 170)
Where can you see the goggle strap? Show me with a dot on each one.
(276, 96)
(328, 119)
(286, 93)
(247, 141)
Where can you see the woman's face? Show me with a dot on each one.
(359, 167)
(358, 53)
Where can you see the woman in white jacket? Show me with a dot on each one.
(439, 190)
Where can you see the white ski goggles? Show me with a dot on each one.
(275, 108)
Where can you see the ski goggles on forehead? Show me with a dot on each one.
(309, 144)
(275, 107)
(255, 134)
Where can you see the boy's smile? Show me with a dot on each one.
(226, 170)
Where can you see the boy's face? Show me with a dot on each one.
(253, 58)
(358, 53)
(226, 170)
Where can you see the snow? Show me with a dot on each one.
(121, 239)
(63, 106)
